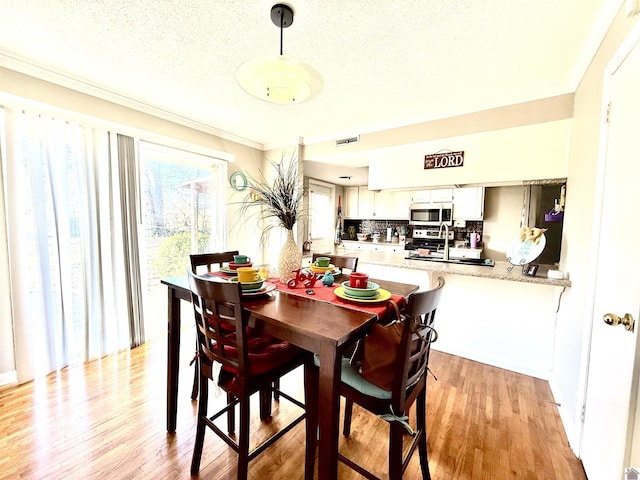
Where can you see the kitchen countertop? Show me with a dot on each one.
(499, 272)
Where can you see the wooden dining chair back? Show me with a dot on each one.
(340, 261)
(249, 364)
(202, 263)
(209, 260)
(408, 385)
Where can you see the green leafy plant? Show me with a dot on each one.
(173, 254)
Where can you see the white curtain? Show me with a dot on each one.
(68, 278)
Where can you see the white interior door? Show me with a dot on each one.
(613, 367)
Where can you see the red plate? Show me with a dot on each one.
(235, 266)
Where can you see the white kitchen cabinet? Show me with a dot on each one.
(433, 196)
(401, 201)
(383, 204)
(366, 203)
(360, 202)
(363, 246)
(373, 247)
(468, 203)
(465, 252)
(350, 209)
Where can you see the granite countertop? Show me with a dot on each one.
(499, 272)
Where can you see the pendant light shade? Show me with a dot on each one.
(276, 78)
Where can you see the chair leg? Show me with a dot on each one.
(311, 388)
(231, 415)
(421, 424)
(200, 429)
(196, 377)
(243, 439)
(348, 412)
(276, 389)
(396, 431)
(265, 403)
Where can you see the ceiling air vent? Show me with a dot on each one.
(347, 141)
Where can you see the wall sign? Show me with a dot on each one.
(444, 160)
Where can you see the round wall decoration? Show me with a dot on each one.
(238, 181)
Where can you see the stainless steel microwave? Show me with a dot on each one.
(431, 214)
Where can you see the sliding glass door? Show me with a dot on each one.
(183, 212)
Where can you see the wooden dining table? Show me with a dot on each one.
(322, 327)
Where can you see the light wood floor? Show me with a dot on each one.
(106, 419)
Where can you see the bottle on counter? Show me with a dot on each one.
(474, 240)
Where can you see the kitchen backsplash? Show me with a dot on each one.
(372, 227)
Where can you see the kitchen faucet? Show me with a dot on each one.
(446, 239)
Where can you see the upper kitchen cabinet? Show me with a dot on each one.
(401, 202)
(366, 203)
(350, 208)
(468, 203)
(433, 196)
(360, 202)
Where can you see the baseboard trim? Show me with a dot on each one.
(495, 362)
(8, 378)
(571, 429)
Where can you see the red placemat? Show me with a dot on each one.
(384, 310)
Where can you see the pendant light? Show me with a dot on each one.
(276, 78)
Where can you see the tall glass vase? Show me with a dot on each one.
(290, 258)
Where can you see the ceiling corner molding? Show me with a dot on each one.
(67, 81)
(632, 7)
(605, 19)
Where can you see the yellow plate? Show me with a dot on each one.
(383, 296)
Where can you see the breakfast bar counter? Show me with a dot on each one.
(495, 315)
(502, 270)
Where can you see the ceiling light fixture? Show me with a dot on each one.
(276, 78)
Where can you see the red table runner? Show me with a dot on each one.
(384, 309)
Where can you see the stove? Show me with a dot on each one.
(428, 238)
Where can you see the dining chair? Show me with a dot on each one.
(249, 364)
(408, 384)
(340, 261)
(207, 260)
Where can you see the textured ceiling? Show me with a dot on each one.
(383, 63)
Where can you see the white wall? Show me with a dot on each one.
(526, 152)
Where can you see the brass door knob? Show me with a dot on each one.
(613, 320)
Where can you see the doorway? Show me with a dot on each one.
(610, 429)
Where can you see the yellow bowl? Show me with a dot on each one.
(315, 269)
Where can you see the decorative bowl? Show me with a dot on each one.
(370, 291)
(316, 269)
(363, 237)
